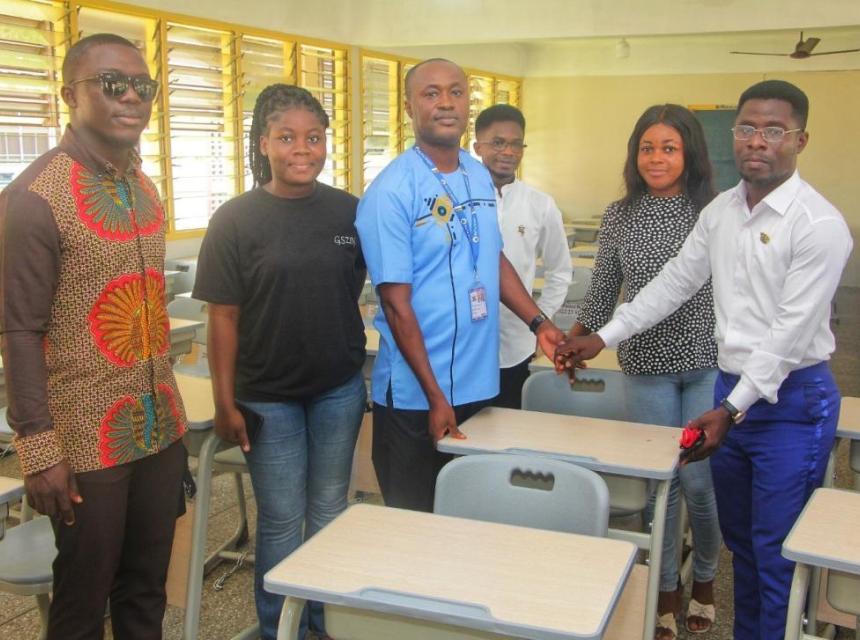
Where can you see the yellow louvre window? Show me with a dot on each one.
(262, 62)
(407, 134)
(202, 103)
(381, 131)
(507, 92)
(145, 34)
(33, 42)
(323, 72)
(481, 96)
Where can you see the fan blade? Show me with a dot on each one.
(830, 53)
(806, 46)
(758, 53)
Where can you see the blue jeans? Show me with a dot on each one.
(673, 400)
(765, 470)
(300, 467)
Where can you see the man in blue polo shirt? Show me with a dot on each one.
(432, 244)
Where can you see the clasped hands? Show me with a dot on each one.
(572, 352)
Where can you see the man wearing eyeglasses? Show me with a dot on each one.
(775, 249)
(531, 226)
(85, 337)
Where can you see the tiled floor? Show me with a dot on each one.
(226, 612)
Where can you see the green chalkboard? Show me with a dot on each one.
(717, 124)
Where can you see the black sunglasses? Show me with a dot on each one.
(115, 84)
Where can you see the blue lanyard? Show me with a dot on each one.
(472, 230)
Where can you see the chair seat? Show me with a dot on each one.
(231, 459)
(843, 592)
(26, 554)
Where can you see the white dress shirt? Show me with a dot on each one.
(775, 270)
(531, 226)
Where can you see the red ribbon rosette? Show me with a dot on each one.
(689, 436)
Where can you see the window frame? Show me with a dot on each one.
(403, 126)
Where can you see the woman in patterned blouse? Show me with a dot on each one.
(671, 368)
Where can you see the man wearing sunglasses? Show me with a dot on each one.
(531, 226)
(775, 249)
(85, 337)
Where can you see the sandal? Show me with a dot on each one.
(666, 624)
(702, 612)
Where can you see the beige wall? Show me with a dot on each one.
(578, 129)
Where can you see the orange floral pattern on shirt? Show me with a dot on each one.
(129, 321)
(113, 215)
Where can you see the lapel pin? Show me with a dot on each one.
(522, 230)
(764, 238)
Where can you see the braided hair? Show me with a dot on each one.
(275, 99)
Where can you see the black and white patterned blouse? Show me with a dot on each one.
(634, 245)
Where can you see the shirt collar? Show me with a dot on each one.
(72, 144)
(507, 187)
(779, 199)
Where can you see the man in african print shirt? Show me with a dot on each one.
(85, 339)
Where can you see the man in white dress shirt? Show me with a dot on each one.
(775, 249)
(531, 226)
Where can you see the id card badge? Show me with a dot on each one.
(478, 302)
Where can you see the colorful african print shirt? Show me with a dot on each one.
(85, 330)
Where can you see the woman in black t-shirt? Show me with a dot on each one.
(282, 270)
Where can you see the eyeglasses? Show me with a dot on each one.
(115, 84)
(500, 144)
(769, 134)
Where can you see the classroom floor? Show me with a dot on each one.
(231, 609)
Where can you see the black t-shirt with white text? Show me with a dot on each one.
(295, 269)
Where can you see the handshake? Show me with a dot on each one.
(572, 352)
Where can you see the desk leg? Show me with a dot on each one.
(291, 616)
(794, 618)
(815, 574)
(198, 537)
(655, 557)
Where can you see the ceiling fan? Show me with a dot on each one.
(803, 49)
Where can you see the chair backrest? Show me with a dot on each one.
(187, 267)
(528, 491)
(596, 394)
(579, 285)
(190, 309)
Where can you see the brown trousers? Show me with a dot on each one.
(118, 549)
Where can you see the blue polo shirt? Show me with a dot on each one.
(410, 235)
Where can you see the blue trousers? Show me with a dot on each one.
(673, 399)
(300, 466)
(764, 473)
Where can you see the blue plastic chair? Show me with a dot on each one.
(527, 491)
(596, 394)
(26, 552)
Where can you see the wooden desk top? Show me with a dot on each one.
(178, 324)
(464, 572)
(610, 446)
(849, 419)
(198, 400)
(372, 346)
(825, 534)
(584, 248)
(606, 360)
(10, 489)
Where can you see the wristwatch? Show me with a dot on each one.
(537, 321)
(734, 415)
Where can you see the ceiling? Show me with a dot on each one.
(570, 37)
